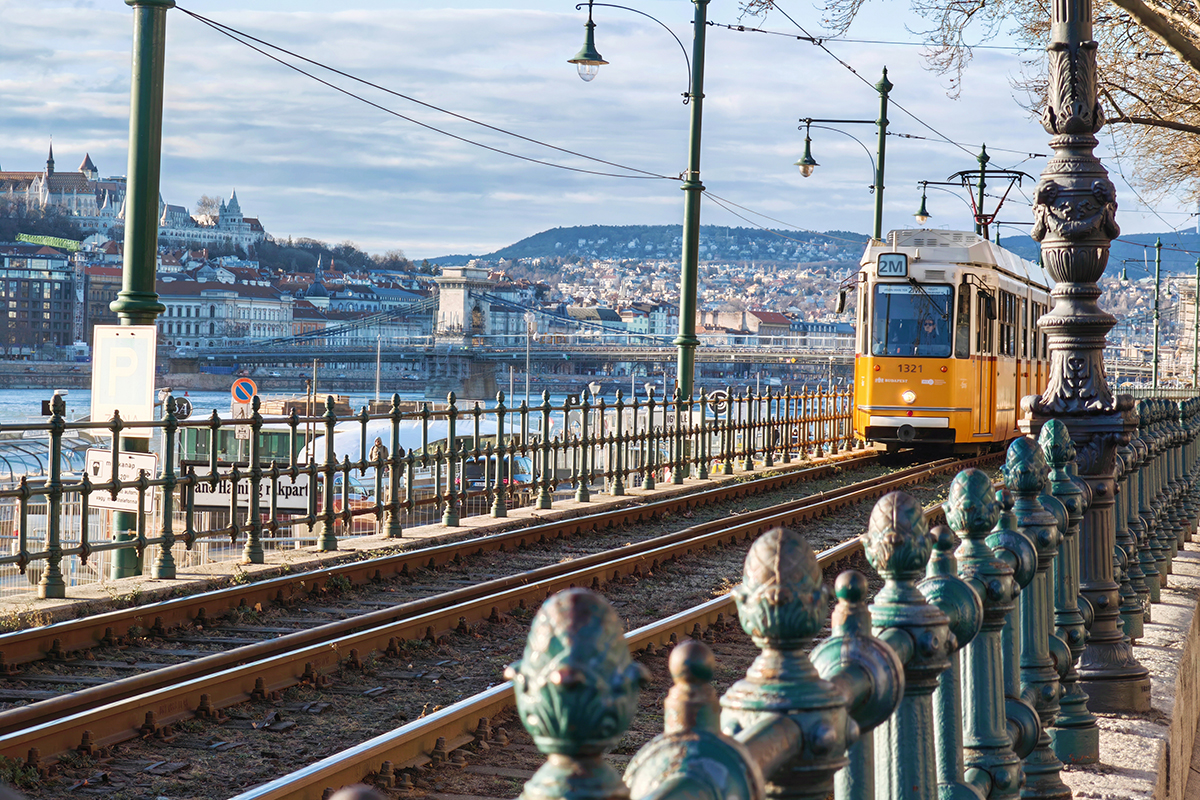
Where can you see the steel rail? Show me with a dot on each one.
(54, 640)
(409, 745)
(226, 679)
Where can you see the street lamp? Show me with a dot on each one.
(530, 321)
(922, 215)
(687, 340)
(1157, 279)
(807, 163)
(1196, 331)
(588, 59)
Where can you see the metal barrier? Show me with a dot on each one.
(957, 681)
(290, 480)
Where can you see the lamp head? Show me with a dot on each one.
(588, 59)
(807, 163)
(922, 214)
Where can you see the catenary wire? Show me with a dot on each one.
(237, 36)
(856, 74)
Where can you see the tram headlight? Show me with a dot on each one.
(909, 397)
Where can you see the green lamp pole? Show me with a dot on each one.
(1157, 279)
(689, 278)
(137, 303)
(588, 61)
(983, 158)
(1196, 331)
(807, 164)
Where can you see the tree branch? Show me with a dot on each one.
(1159, 25)
(1155, 122)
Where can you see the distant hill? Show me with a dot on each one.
(641, 242)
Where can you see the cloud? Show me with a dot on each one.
(309, 161)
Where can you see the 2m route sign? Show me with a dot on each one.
(123, 375)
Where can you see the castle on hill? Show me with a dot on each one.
(98, 206)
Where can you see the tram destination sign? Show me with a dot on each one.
(892, 265)
(291, 497)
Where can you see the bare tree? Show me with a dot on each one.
(208, 206)
(1148, 66)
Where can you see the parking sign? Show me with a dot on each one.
(123, 374)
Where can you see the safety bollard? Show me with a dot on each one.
(576, 690)
(783, 729)
(1136, 597)
(997, 732)
(1025, 473)
(782, 604)
(1141, 516)
(962, 605)
(1162, 533)
(1075, 736)
(898, 546)
(868, 672)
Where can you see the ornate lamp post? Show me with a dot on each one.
(1075, 220)
(1196, 330)
(588, 61)
(807, 164)
(1157, 288)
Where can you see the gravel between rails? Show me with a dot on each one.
(264, 739)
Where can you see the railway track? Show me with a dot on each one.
(148, 704)
(430, 740)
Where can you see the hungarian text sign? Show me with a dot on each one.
(98, 464)
(291, 496)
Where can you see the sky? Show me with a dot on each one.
(309, 161)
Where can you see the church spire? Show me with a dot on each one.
(50, 158)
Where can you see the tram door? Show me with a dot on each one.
(983, 410)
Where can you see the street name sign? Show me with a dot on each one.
(123, 375)
(98, 464)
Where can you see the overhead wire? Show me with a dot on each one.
(818, 43)
(847, 40)
(245, 39)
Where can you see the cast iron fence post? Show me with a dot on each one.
(898, 545)
(961, 604)
(325, 526)
(52, 585)
(998, 731)
(1025, 473)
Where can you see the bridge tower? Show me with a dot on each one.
(463, 311)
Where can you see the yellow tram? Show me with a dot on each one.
(947, 341)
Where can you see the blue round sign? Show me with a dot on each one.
(243, 390)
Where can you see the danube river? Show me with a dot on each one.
(25, 405)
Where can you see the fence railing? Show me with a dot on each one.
(218, 487)
(958, 679)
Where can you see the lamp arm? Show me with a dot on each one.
(855, 138)
(687, 96)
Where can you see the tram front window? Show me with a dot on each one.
(911, 320)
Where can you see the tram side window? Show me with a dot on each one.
(1039, 340)
(1008, 320)
(1024, 327)
(962, 328)
(911, 320)
(983, 323)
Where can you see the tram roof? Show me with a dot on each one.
(965, 248)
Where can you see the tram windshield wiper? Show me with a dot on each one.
(945, 315)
